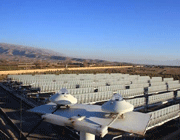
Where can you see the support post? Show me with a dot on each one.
(86, 136)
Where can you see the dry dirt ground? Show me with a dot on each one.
(60, 69)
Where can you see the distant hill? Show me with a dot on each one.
(11, 50)
(19, 53)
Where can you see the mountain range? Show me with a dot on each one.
(19, 53)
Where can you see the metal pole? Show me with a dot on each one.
(86, 136)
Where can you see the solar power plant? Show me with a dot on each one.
(156, 97)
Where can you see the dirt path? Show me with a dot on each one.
(59, 69)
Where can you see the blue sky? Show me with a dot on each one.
(116, 30)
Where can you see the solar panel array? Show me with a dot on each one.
(52, 83)
(93, 88)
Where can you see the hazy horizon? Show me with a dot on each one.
(124, 31)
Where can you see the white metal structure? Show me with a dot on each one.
(93, 120)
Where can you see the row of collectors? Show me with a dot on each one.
(105, 77)
(137, 102)
(54, 86)
(116, 88)
(104, 96)
(163, 115)
(73, 77)
(80, 84)
(134, 91)
(160, 97)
